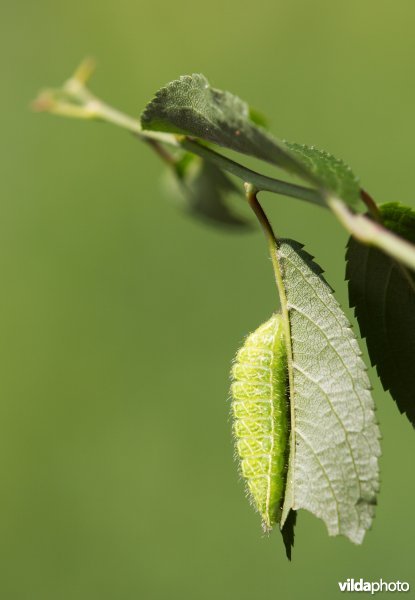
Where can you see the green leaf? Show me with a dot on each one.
(334, 446)
(334, 174)
(190, 106)
(383, 293)
(203, 191)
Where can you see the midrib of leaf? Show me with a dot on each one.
(273, 250)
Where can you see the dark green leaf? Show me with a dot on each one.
(383, 294)
(190, 106)
(334, 446)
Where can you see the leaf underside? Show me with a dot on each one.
(334, 448)
(204, 192)
(382, 291)
(190, 106)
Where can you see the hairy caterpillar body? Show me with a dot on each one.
(259, 407)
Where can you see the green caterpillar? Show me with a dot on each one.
(259, 406)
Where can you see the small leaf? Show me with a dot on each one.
(190, 106)
(203, 191)
(331, 171)
(383, 293)
(334, 446)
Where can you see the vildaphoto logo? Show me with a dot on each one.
(360, 585)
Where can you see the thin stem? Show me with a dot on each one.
(162, 152)
(251, 194)
(371, 205)
(260, 182)
(107, 113)
(374, 234)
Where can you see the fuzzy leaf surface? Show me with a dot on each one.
(382, 291)
(334, 447)
(190, 106)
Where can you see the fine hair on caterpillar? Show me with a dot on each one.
(260, 416)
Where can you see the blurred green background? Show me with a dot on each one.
(120, 316)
